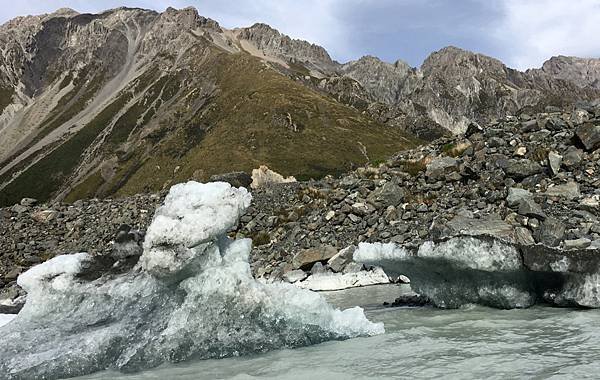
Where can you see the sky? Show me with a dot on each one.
(521, 33)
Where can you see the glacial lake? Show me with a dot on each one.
(422, 343)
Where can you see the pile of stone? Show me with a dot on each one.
(32, 233)
(528, 179)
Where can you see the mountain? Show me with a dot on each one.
(132, 100)
(454, 87)
(584, 72)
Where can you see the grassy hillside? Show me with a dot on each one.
(259, 116)
(219, 112)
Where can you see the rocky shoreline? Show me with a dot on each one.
(529, 181)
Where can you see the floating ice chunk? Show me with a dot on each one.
(192, 217)
(196, 212)
(338, 281)
(373, 252)
(582, 290)
(459, 271)
(56, 272)
(474, 253)
(192, 295)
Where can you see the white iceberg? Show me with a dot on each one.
(191, 295)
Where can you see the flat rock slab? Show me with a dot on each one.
(490, 226)
(541, 258)
(307, 257)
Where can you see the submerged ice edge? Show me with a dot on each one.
(484, 270)
(191, 295)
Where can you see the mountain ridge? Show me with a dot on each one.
(131, 100)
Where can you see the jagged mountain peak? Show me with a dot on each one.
(452, 56)
(584, 72)
(64, 12)
(275, 44)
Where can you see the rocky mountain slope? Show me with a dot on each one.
(132, 100)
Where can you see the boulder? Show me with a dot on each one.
(329, 215)
(554, 161)
(589, 135)
(528, 207)
(28, 202)
(579, 116)
(307, 257)
(390, 194)
(520, 169)
(591, 204)
(491, 225)
(580, 243)
(338, 262)
(264, 176)
(551, 232)
(523, 236)
(520, 151)
(44, 216)
(410, 300)
(516, 195)
(572, 158)
(569, 190)
(439, 167)
(362, 209)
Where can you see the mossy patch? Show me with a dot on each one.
(86, 189)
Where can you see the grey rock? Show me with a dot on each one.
(491, 225)
(528, 207)
(577, 243)
(554, 161)
(589, 134)
(441, 166)
(338, 262)
(569, 190)
(523, 236)
(19, 209)
(520, 169)
(390, 194)
(551, 232)
(516, 195)
(591, 204)
(28, 202)
(572, 157)
(307, 257)
(44, 216)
